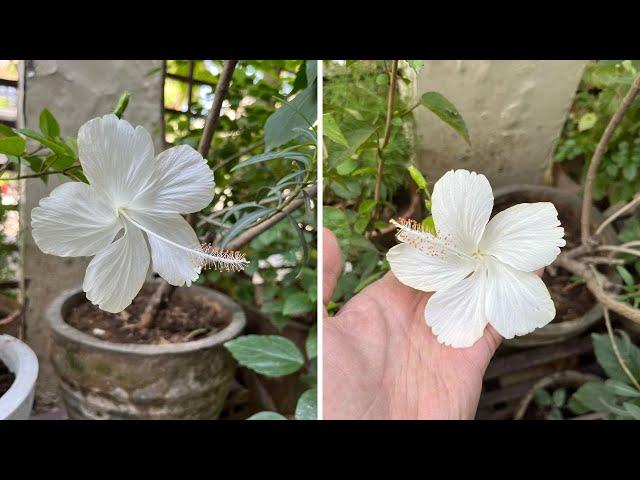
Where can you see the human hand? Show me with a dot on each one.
(381, 360)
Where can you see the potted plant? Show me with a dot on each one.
(167, 352)
(112, 378)
(18, 374)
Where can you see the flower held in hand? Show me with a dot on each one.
(481, 271)
(129, 192)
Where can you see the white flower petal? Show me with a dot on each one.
(116, 158)
(115, 276)
(516, 302)
(173, 264)
(526, 236)
(182, 183)
(425, 272)
(74, 221)
(461, 206)
(456, 315)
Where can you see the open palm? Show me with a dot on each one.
(381, 360)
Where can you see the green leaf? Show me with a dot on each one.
(12, 146)
(428, 225)
(311, 344)
(307, 408)
(559, 397)
(265, 157)
(622, 389)
(7, 131)
(347, 167)
(311, 70)
(625, 275)
(299, 112)
(270, 355)
(267, 416)
(446, 111)
(542, 397)
(607, 358)
(61, 149)
(48, 124)
(587, 121)
(331, 129)
(555, 414)
(336, 221)
(382, 79)
(591, 395)
(416, 65)
(576, 407)
(417, 177)
(634, 410)
(297, 303)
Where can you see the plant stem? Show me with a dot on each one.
(256, 230)
(614, 345)
(387, 131)
(597, 157)
(635, 201)
(41, 174)
(164, 290)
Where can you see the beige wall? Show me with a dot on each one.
(514, 111)
(74, 91)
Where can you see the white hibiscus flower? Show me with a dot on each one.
(130, 192)
(481, 271)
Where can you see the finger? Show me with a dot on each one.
(331, 265)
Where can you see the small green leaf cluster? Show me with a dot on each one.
(618, 396)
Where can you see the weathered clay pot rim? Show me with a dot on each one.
(63, 329)
(552, 332)
(26, 374)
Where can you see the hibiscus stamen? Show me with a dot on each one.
(203, 256)
(411, 232)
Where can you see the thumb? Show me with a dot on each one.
(331, 264)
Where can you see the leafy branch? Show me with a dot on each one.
(574, 260)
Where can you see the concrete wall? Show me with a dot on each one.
(514, 111)
(74, 91)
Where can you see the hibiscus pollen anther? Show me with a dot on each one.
(220, 259)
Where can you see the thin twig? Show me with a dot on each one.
(42, 174)
(387, 131)
(620, 249)
(596, 285)
(597, 156)
(265, 225)
(616, 351)
(626, 208)
(214, 115)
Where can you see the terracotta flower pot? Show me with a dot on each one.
(567, 202)
(105, 380)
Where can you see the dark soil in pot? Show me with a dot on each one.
(6, 378)
(181, 320)
(571, 299)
